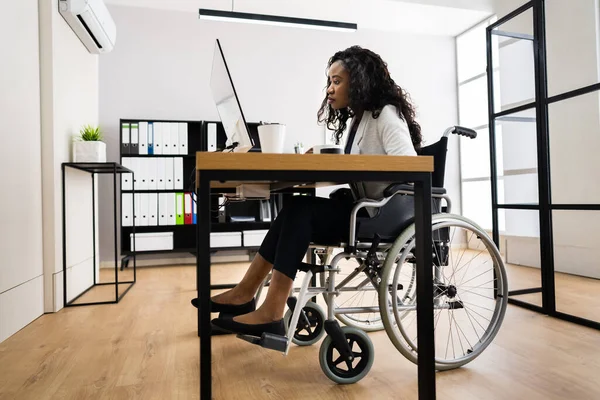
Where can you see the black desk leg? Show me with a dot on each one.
(115, 219)
(94, 227)
(203, 285)
(64, 236)
(425, 327)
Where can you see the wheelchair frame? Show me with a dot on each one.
(331, 290)
(353, 249)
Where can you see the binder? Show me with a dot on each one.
(142, 181)
(150, 138)
(152, 209)
(135, 167)
(171, 218)
(265, 211)
(161, 183)
(174, 138)
(222, 209)
(143, 137)
(169, 184)
(166, 137)
(179, 209)
(276, 207)
(158, 137)
(133, 148)
(178, 173)
(144, 198)
(194, 218)
(211, 137)
(183, 138)
(163, 217)
(125, 138)
(127, 209)
(137, 207)
(126, 179)
(187, 208)
(151, 169)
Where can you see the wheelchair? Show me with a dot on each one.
(378, 286)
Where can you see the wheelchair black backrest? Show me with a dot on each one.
(438, 151)
(398, 213)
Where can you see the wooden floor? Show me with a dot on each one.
(146, 347)
(574, 294)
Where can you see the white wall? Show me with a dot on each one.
(69, 87)
(279, 73)
(21, 290)
(572, 34)
(160, 68)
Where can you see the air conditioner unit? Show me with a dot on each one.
(91, 22)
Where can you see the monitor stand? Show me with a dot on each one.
(236, 148)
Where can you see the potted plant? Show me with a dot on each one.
(88, 146)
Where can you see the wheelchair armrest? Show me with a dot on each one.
(394, 187)
(364, 203)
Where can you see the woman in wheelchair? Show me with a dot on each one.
(371, 284)
(360, 88)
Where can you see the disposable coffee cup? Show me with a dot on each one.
(272, 138)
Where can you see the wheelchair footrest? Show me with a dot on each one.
(267, 340)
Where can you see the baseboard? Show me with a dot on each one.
(21, 305)
(58, 284)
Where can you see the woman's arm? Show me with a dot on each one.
(394, 133)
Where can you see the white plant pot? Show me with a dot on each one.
(89, 151)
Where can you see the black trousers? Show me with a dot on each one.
(304, 220)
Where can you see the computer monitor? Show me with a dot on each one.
(228, 104)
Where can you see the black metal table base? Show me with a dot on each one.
(96, 168)
(422, 180)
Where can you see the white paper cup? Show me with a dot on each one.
(272, 138)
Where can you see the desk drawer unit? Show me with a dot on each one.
(225, 239)
(254, 238)
(152, 241)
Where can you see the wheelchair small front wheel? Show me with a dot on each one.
(311, 334)
(342, 371)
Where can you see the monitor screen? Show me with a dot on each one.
(228, 104)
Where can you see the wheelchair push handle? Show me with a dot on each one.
(460, 130)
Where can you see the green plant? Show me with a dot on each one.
(89, 133)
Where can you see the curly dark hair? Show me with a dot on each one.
(371, 89)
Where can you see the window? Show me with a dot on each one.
(473, 113)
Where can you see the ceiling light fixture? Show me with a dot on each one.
(264, 19)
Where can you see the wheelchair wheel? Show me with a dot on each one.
(357, 290)
(311, 334)
(344, 372)
(470, 292)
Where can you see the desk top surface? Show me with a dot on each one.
(312, 162)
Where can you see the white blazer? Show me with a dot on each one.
(386, 134)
